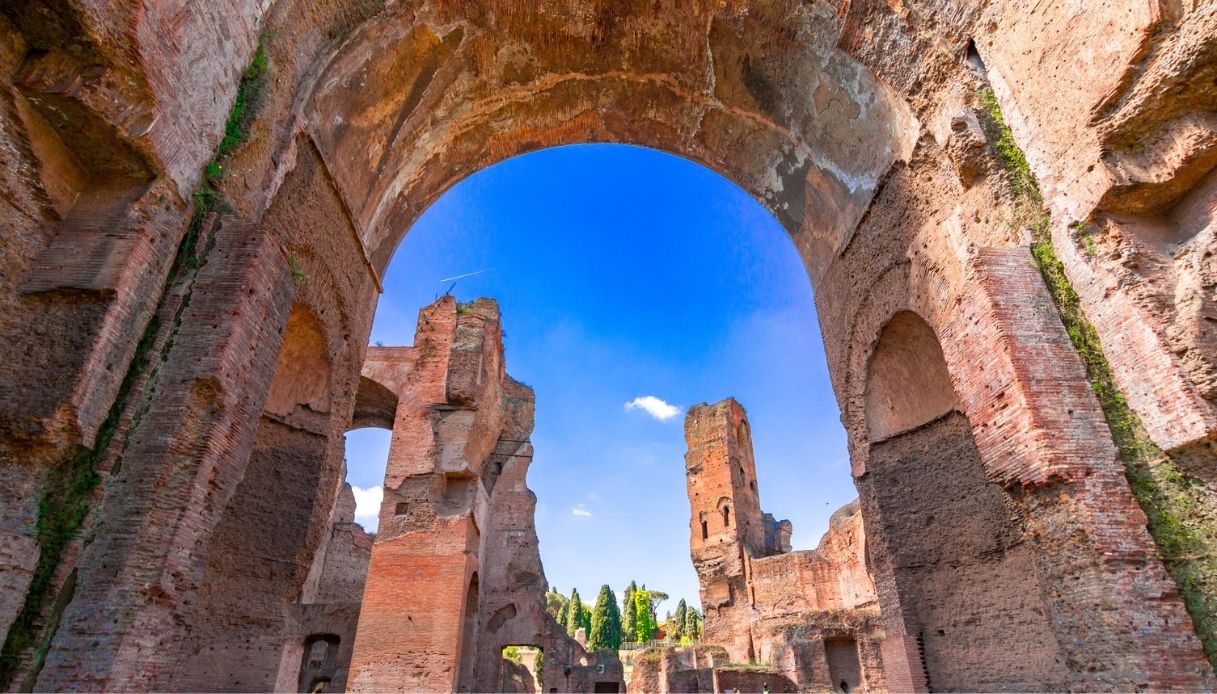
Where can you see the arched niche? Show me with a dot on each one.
(257, 561)
(300, 387)
(947, 545)
(907, 383)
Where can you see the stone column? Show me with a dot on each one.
(419, 614)
(187, 454)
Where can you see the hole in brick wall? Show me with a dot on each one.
(458, 490)
(973, 60)
(844, 665)
(520, 669)
(402, 508)
(491, 475)
(320, 661)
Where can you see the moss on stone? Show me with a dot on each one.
(1018, 171)
(236, 129)
(68, 488)
(1181, 510)
(61, 511)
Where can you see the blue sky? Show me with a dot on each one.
(623, 272)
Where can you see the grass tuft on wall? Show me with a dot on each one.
(1181, 509)
(69, 487)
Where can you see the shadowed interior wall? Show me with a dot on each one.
(255, 563)
(952, 540)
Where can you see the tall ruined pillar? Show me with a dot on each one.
(727, 528)
(455, 573)
(417, 624)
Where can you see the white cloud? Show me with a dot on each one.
(653, 406)
(581, 511)
(367, 506)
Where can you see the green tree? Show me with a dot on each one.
(629, 631)
(656, 597)
(555, 604)
(605, 631)
(644, 622)
(682, 613)
(560, 618)
(574, 612)
(692, 630)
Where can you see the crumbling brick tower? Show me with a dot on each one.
(727, 525)
(811, 618)
(455, 573)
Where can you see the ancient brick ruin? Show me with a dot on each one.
(1006, 210)
(812, 615)
(455, 573)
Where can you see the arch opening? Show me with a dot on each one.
(469, 636)
(522, 669)
(475, 265)
(271, 520)
(948, 534)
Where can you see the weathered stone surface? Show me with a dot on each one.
(1121, 135)
(855, 123)
(683, 669)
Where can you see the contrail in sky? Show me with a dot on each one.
(467, 274)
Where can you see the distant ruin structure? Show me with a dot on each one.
(812, 616)
(1007, 210)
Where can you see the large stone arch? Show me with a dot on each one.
(419, 98)
(869, 182)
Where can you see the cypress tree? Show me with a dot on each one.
(682, 611)
(561, 616)
(574, 612)
(644, 623)
(605, 631)
(629, 631)
(692, 624)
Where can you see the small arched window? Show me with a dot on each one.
(726, 516)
